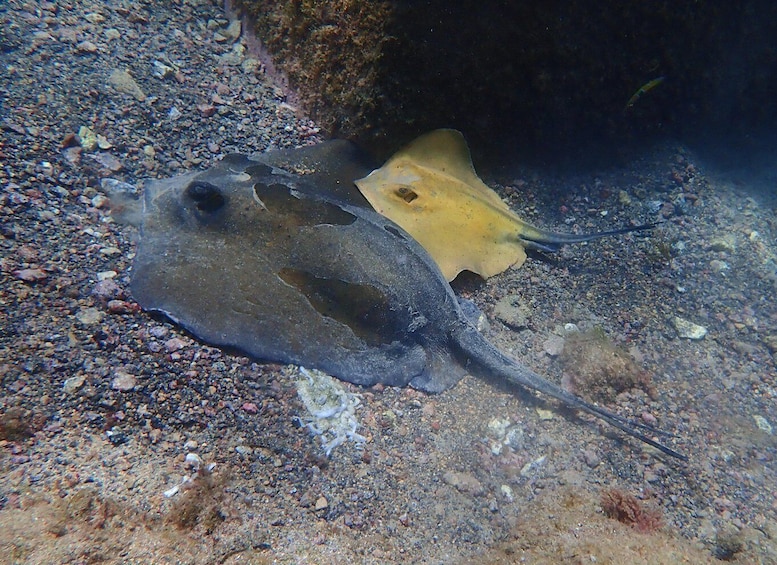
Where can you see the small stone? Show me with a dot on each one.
(123, 82)
(94, 18)
(763, 424)
(206, 110)
(123, 381)
(30, 275)
(72, 384)
(89, 316)
(321, 503)
(86, 47)
(689, 330)
(106, 290)
(103, 143)
(250, 407)
(464, 482)
(624, 198)
(174, 344)
(233, 30)
(106, 275)
(112, 33)
(99, 200)
(88, 138)
(121, 307)
(544, 415)
(554, 345)
(512, 312)
(591, 458)
(162, 71)
(108, 161)
(718, 266)
(724, 244)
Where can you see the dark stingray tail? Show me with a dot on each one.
(489, 359)
(552, 241)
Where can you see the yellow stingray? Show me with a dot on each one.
(431, 189)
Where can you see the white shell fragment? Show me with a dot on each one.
(331, 409)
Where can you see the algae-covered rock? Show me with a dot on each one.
(539, 74)
(596, 368)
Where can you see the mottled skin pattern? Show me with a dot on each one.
(289, 265)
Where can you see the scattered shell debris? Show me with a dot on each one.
(195, 462)
(331, 409)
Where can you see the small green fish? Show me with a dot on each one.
(650, 85)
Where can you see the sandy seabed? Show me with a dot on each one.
(101, 403)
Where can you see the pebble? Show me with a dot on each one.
(512, 312)
(233, 30)
(87, 138)
(90, 316)
(123, 82)
(123, 381)
(30, 275)
(591, 458)
(94, 18)
(321, 503)
(463, 482)
(174, 344)
(159, 331)
(724, 244)
(108, 161)
(554, 345)
(162, 71)
(718, 266)
(121, 307)
(106, 289)
(763, 424)
(250, 407)
(86, 47)
(206, 110)
(689, 330)
(72, 384)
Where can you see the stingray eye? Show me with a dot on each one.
(208, 197)
(406, 194)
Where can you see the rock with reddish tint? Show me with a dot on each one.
(108, 161)
(250, 407)
(206, 110)
(123, 381)
(30, 275)
(107, 290)
(122, 307)
(174, 344)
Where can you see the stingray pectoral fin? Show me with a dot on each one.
(442, 371)
(541, 240)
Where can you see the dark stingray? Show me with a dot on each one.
(281, 257)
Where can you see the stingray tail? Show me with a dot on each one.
(542, 240)
(493, 362)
